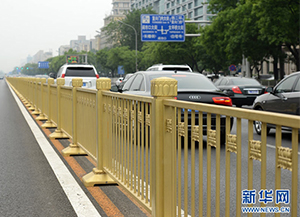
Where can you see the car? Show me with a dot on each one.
(87, 72)
(193, 87)
(241, 90)
(283, 98)
(162, 67)
(119, 81)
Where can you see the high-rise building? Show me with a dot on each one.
(192, 9)
(120, 8)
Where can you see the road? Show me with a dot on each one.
(35, 180)
(270, 175)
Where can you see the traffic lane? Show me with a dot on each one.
(28, 184)
(286, 177)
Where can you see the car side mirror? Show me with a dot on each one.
(269, 89)
(52, 75)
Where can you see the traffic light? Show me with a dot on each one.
(17, 68)
(27, 68)
(21, 68)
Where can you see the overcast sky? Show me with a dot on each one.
(27, 26)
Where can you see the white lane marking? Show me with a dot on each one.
(274, 147)
(79, 200)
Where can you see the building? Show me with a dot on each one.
(81, 44)
(192, 9)
(120, 8)
(62, 49)
(41, 56)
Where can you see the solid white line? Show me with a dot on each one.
(77, 197)
(272, 146)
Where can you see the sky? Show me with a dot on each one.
(28, 26)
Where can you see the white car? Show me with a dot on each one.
(161, 67)
(88, 73)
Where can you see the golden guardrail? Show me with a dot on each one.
(148, 144)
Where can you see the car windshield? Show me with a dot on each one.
(191, 81)
(243, 81)
(80, 72)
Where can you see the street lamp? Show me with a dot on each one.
(136, 65)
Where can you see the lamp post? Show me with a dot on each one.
(136, 65)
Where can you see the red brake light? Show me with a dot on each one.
(63, 75)
(97, 76)
(222, 101)
(236, 89)
(175, 97)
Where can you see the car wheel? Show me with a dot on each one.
(258, 125)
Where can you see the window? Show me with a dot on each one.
(224, 81)
(137, 83)
(297, 88)
(168, 5)
(286, 85)
(128, 83)
(199, 11)
(80, 72)
(178, 10)
(190, 5)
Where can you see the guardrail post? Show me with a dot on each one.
(42, 116)
(36, 109)
(32, 101)
(28, 89)
(59, 134)
(98, 176)
(163, 178)
(73, 148)
(49, 123)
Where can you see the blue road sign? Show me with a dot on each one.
(121, 70)
(162, 28)
(43, 65)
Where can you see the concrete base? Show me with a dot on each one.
(41, 117)
(58, 134)
(73, 150)
(97, 177)
(48, 124)
(35, 112)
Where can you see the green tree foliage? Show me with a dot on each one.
(189, 52)
(124, 35)
(279, 24)
(121, 56)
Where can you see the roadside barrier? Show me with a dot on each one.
(154, 147)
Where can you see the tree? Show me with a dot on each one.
(279, 24)
(188, 52)
(123, 35)
(121, 56)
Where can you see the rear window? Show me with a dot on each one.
(80, 72)
(191, 81)
(185, 69)
(243, 81)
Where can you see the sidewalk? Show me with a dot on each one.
(107, 200)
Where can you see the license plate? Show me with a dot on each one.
(253, 92)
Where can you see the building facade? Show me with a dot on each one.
(192, 9)
(120, 8)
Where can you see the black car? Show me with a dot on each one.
(241, 90)
(193, 87)
(283, 98)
